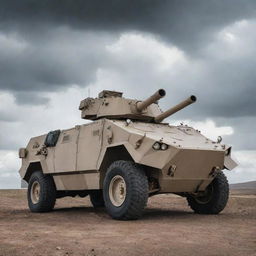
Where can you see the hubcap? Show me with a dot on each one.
(35, 192)
(206, 196)
(117, 190)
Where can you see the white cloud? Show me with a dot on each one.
(9, 166)
(11, 43)
(147, 50)
(139, 64)
(8, 160)
(60, 112)
(233, 41)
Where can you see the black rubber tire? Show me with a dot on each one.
(217, 200)
(136, 190)
(97, 199)
(47, 196)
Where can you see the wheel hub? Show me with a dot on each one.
(117, 190)
(206, 196)
(35, 192)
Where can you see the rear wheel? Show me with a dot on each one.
(41, 192)
(97, 199)
(214, 199)
(125, 190)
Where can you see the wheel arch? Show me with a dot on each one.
(111, 155)
(32, 167)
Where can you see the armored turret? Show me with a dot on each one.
(112, 105)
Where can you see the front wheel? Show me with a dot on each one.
(214, 199)
(41, 192)
(125, 190)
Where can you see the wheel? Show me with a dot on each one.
(125, 190)
(214, 199)
(41, 192)
(97, 199)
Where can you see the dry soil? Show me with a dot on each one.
(168, 227)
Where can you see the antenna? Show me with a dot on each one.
(89, 92)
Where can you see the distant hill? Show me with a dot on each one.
(245, 188)
(244, 185)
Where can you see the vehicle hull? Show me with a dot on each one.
(82, 154)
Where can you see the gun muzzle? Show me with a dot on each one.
(171, 111)
(141, 105)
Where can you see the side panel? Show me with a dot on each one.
(112, 136)
(49, 160)
(77, 156)
(77, 181)
(89, 146)
(66, 150)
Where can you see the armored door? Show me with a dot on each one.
(89, 146)
(66, 151)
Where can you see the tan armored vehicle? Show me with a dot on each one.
(124, 156)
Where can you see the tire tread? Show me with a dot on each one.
(219, 200)
(47, 193)
(139, 188)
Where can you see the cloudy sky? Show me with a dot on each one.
(55, 53)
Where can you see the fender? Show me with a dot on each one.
(28, 168)
(130, 150)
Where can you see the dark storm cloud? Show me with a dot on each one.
(46, 58)
(59, 57)
(30, 98)
(185, 23)
(223, 88)
(49, 45)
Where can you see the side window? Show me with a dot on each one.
(52, 138)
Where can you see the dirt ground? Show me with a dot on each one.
(168, 227)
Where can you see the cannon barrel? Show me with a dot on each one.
(181, 105)
(153, 98)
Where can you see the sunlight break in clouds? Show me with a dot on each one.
(146, 48)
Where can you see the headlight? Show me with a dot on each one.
(164, 146)
(159, 146)
(156, 146)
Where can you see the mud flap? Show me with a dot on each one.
(229, 163)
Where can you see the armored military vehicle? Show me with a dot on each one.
(124, 156)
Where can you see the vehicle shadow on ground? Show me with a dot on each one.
(152, 213)
(86, 211)
(78, 209)
(149, 213)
